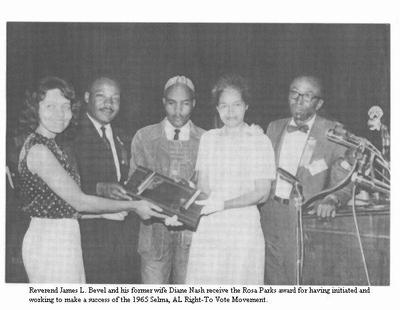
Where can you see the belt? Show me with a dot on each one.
(281, 200)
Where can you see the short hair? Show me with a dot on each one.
(234, 81)
(29, 119)
(314, 80)
(102, 78)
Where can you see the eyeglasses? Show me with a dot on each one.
(307, 97)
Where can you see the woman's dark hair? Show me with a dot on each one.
(234, 81)
(29, 119)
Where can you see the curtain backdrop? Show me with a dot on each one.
(352, 60)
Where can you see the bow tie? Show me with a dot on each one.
(303, 128)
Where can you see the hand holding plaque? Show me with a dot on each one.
(172, 221)
(174, 198)
(211, 205)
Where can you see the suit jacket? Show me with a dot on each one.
(109, 247)
(95, 162)
(319, 166)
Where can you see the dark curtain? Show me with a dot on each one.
(352, 60)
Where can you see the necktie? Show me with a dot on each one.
(104, 137)
(176, 136)
(303, 128)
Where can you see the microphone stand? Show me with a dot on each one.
(361, 173)
(298, 199)
(368, 162)
(385, 137)
(298, 203)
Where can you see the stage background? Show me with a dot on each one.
(352, 59)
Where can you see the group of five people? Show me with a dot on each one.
(82, 228)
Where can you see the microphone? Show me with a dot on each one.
(340, 135)
(287, 176)
(371, 184)
(297, 187)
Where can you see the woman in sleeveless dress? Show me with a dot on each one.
(235, 167)
(50, 191)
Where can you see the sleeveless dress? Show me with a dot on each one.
(51, 249)
(228, 246)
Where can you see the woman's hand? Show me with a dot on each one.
(187, 183)
(120, 216)
(146, 210)
(172, 221)
(211, 205)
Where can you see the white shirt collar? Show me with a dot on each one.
(309, 123)
(98, 126)
(184, 133)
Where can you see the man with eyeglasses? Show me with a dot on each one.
(302, 149)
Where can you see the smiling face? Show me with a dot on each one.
(304, 99)
(231, 107)
(103, 101)
(178, 103)
(54, 113)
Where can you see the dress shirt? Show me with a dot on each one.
(291, 150)
(184, 131)
(110, 137)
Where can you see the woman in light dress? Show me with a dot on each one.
(235, 168)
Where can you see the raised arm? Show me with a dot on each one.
(258, 195)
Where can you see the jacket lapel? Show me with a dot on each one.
(94, 138)
(277, 144)
(92, 134)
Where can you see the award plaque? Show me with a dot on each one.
(173, 197)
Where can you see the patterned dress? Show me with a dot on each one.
(51, 249)
(228, 246)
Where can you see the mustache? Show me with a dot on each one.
(178, 117)
(299, 110)
(107, 109)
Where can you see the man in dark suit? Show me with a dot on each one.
(301, 148)
(109, 241)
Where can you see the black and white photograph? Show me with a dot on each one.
(248, 154)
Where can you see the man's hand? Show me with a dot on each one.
(112, 190)
(120, 216)
(146, 210)
(327, 207)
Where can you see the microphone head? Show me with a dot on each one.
(340, 135)
(339, 129)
